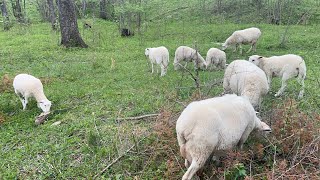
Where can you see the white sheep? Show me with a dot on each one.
(187, 54)
(245, 36)
(213, 125)
(26, 86)
(216, 57)
(158, 55)
(286, 67)
(246, 79)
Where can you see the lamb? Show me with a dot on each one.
(216, 57)
(245, 36)
(158, 55)
(245, 79)
(26, 86)
(213, 125)
(185, 53)
(286, 67)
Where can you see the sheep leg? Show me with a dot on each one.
(269, 77)
(198, 161)
(285, 77)
(250, 48)
(163, 69)
(23, 99)
(235, 48)
(186, 163)
(301, 82)
(24, 102)
(186, 64)
(254, 46)
(240, 47)
(151, 68)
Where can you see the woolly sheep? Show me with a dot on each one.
(26, 86)
(213, 125)
(245, 36)
(216, 57)
(185, 53)
(245, 79)
(158, 55)
(286, 67)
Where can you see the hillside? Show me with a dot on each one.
(92, 88)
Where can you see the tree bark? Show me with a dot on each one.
(103, 11)
(17, 11)
(52, 14)
(84, 7)
(70, 36)
(6, 21)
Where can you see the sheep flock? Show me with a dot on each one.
(207, 127)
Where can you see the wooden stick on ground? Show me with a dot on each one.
(138, 117)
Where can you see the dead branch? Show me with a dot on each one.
(192, 76)
(115, 160)
(137, 117)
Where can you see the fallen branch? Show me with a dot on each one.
(137, 117)
(115, 160)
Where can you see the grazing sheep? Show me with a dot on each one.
(213, 125)
(26, 86)
(286, 67)
(185, 53)
(216, 57)
(158, 55)
(245, 36)
(245, 79)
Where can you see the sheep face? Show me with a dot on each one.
(255, 59)
(263, 127)
(45, 105)
(146, 51)
(224, 46)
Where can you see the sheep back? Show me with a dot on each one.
(216, 57)
(27, 85)
(158, 55)
(217, 123)
(245, 79)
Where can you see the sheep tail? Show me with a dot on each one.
(182, 143)
(302, 70)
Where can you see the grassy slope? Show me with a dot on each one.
(84, 80)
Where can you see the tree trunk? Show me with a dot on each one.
(17, 11)
(70, 36)
(52, 14)
(103, 11)
(6, 21)
(84, 7)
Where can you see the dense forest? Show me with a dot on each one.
(112, 118)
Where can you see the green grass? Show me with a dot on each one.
(83, 80)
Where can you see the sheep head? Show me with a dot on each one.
(146, 51)
(45, 105)
(255, 59)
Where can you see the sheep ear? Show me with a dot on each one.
(260, 57)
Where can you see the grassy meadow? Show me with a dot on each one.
(90, 88)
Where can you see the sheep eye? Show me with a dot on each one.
(253, 60)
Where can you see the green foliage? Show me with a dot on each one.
(236, 173)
